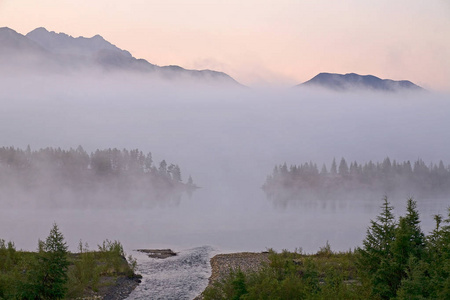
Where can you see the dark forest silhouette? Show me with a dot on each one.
(110, 177)
(342, 180)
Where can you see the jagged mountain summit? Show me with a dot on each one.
(65, 44)
(355, 82)
(48, 51)
(11, 41)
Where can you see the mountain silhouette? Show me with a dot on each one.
(352, 81)
(43, 50)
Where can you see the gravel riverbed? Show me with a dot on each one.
(221, 264)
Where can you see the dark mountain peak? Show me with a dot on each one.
(353, 81)
(98, 37)
(9, 36)
(7, 30)
(173, 71)
(42, 49)
(61, 43)
(39, 30)
(14, 43)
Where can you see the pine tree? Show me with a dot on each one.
(239, 285)
(163, 168)
(324, 171)
(409, 244)
(438, 252)
(148, 162)
(343, 168)
(409, 238)
(57, 264)
(376, 257)
(415, 285)
(48, 278)
(176, 173)
(333, 169)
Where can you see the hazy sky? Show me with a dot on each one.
(281, 42)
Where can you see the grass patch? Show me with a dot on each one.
(90, 274)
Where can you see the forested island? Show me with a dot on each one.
(371, 179)
(54, 177)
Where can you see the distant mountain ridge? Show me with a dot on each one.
(13, 44)
(50, 51)
(352, 81)
(66, 44)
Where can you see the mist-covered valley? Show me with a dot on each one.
(164, 146)
(228, 140)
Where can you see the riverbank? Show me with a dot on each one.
(121, 289)
(221, 264)
(114, 280)
(286, 275)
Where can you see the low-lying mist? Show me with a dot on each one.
(55, 178)
(304, 183)
(229, 140)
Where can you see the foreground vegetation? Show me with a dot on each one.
(397, 261)
(54, 273)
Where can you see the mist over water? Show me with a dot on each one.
(229, 140)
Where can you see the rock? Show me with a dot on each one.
(122, 288)
(158, 253)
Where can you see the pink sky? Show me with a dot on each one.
(259, 42)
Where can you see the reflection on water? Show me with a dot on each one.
(227, 224)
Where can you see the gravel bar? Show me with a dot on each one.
(221, 264)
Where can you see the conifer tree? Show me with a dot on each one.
(415, 285)
(239, 285)
(47, 280)
(333, 169)
(323, 171)
(376, 256)
(409, 238)
(343, 168)
(438, 252)
(409, 244)
(163, 168)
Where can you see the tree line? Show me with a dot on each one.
(55, 173)
(397, 260)
(386, 177)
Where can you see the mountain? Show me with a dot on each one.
(11, 41)
(65, 44)
(352, 81)
(18, 54)
(43, 50)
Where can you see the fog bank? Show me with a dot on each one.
(229, 140)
